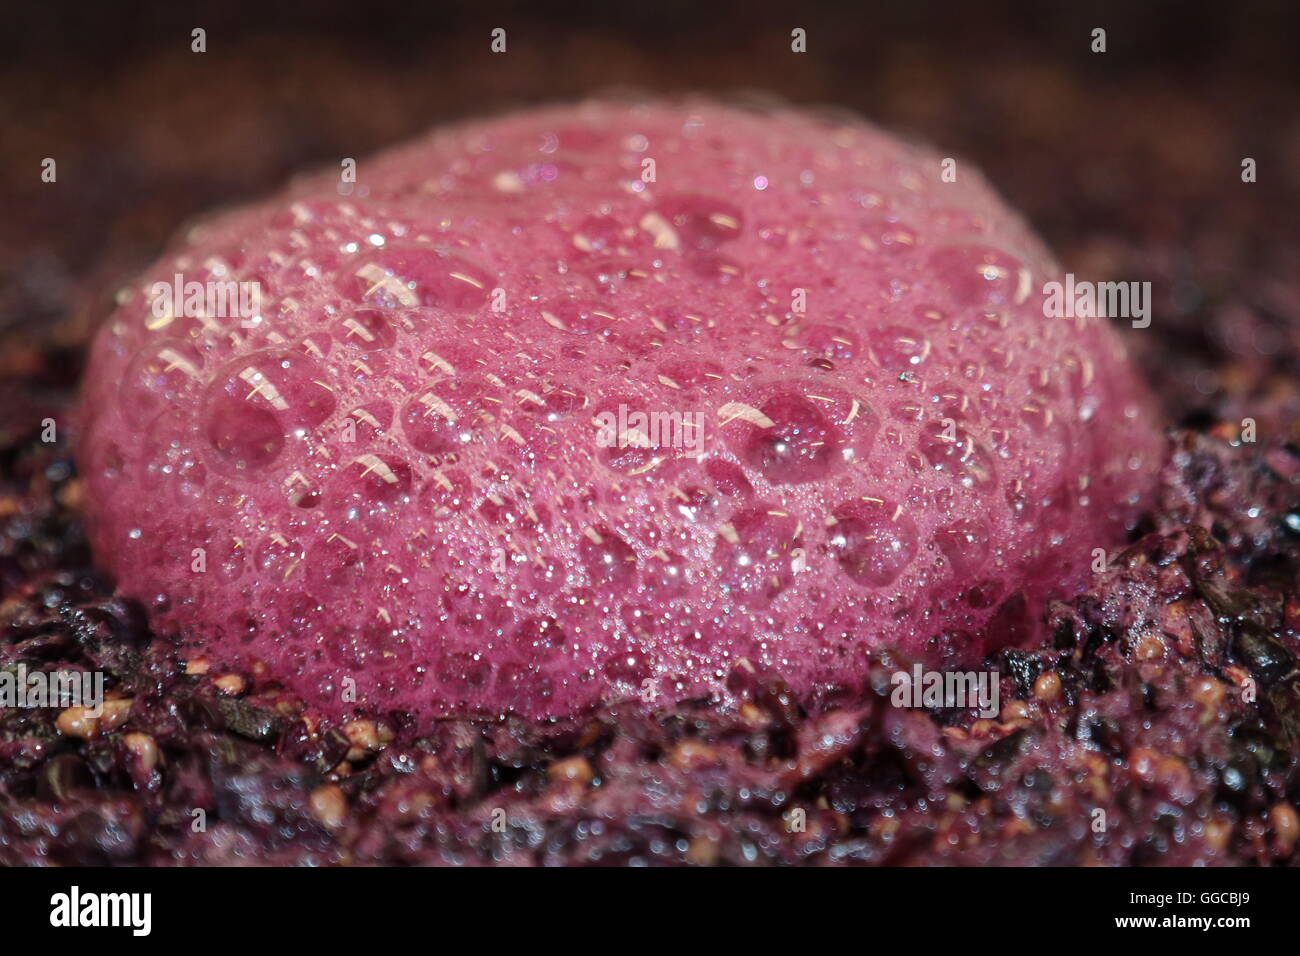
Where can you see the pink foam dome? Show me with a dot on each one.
(413, 475)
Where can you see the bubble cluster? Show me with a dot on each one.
(835, 418)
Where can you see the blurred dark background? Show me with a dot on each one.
(1129, 161)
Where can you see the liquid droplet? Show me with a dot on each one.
(799, 444)
(873, 540)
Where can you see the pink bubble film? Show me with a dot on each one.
(395, 484)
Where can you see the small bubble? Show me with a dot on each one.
(873, 540)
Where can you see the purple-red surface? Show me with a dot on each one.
(393, 473)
